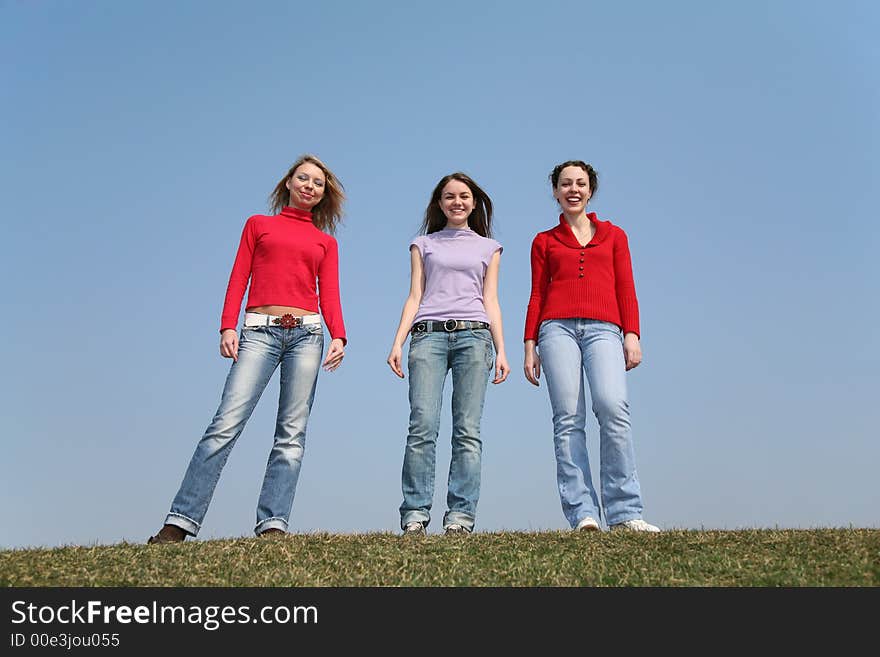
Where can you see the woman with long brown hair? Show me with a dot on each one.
(454, 320)
(290, 260)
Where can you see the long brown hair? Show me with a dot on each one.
(327, 214)
(480, 218)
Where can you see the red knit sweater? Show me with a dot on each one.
(283, 256)
(591, 282)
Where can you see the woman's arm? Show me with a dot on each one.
(410, 308)
(238, 282)
(329, 300)
(493, 311)
(331, 305)
(540, 279)
(627, 302)
(624, 285)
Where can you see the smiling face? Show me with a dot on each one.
(457, 203)
(573, 190)
(306, 186)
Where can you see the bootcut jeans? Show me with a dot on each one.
(260, 351)
(570, 348)
(470, 355)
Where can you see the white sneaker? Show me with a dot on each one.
(414, 529)
(457, 530)
(587, 524)
(637, 525)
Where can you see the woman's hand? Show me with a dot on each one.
(335, 354)
(394, 360)
(502, 369)
(632, 350)
(532, 363)
(229, 344)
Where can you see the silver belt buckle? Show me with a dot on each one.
(447, 327)
(421, 327)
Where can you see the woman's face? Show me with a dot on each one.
(306, 186)
(572, 190)
(457, 203)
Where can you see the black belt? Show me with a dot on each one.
(449, 325)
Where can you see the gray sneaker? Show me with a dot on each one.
(457, 530)
(414, 529)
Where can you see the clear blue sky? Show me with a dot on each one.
(736, 143)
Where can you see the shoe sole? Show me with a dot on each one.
(155, 540)
(627, 530)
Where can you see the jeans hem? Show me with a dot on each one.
(459, 518)
(414, 516)
(270, 523)
(595, 516)
(188, 525)
(624, 518)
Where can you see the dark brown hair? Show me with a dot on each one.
(480, 218)
(327, 214)
(592, 176)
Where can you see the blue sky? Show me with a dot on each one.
(736, 143)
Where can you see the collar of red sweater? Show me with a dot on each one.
(295, 213)
(565, 234)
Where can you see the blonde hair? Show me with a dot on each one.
(327, 214)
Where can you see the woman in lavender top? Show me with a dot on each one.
(453, 315)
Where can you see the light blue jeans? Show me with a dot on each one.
(569, 348)
(260, 351)
(470, 355)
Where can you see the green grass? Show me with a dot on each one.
(821, 557)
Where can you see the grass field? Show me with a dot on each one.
(750, 558)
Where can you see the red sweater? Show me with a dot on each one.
(590, 282)
(283, 255)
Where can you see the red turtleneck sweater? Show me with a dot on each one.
(284, 255)
(594, 281)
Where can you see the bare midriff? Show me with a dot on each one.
(281, 310)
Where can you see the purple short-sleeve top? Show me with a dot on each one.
(455, 263)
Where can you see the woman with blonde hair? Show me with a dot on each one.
(290, 260)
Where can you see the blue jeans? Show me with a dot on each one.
(470, 355)
(260, 351)
(566, 347)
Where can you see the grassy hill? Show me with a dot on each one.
(821, 557)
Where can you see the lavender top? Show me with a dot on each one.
(455, 264)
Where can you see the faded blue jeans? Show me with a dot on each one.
(470, 355)
(569, 348)
(260, 351)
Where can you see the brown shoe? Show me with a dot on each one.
(273, 532)
(168, 534)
